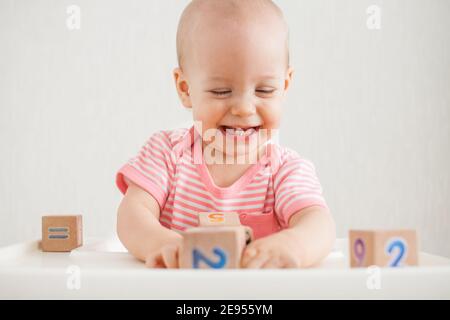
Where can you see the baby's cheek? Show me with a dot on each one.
(271, 114)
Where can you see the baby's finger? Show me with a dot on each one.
(272, 263)
(170, 256)
(154, 261)
(249, 253)
(291, 262)
(257, 261)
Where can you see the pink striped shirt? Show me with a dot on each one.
(265, 196)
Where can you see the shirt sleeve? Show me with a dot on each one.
(151, 168)
(296, 186)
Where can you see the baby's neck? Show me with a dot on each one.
(225, 175)
(226, 170)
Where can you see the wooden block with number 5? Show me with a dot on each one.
(216, 219)
(210, 219)
(216, 248)
(383, 248)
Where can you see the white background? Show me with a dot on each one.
(369, 107)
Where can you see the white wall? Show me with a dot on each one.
(369, 107)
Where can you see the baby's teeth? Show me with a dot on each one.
(250, 131)
(240, 132)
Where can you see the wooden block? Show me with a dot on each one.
(383, 248)
(216, 219)
(217, 248)
(61, 233)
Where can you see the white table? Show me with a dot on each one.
(102, 269)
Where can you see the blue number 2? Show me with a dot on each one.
(401, 245)
(198, 257)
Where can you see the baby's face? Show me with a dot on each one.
(237, 78)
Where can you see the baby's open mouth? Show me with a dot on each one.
(237, 131)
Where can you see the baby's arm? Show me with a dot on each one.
(315, 233)
(308, 240)
(138, 224)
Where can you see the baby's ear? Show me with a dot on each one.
(182, 87)
(288, 78)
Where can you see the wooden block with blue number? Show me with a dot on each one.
(212, 248)
(383, 248)
(61, 233)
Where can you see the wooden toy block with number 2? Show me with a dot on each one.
(216, 248)
(383, 248)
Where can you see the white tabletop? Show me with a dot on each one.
(102, 269)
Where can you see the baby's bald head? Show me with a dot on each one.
(225, 18)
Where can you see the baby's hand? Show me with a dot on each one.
(279, 250)
(165, 257)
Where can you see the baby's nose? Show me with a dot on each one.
(243, 108)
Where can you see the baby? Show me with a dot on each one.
(233, 73)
